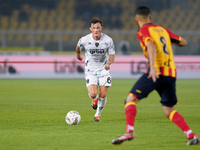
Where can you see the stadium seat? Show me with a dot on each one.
(27, 37)
(23, 26)
(117, 15)
(38, 37)
(10, 37)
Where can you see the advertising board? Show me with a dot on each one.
(67, 66)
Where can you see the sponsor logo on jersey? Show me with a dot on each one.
(97, 51)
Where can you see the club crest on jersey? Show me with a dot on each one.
(96, 44)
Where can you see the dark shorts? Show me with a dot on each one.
(165, 86)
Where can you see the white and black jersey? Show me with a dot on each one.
(96, 51)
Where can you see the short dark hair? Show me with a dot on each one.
(96, 20)
(143, 10)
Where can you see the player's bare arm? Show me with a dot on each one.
(78, 53)
(183, 42)
(151, 48)
(110, 61)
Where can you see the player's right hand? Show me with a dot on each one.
(154, 74)
(80, 58)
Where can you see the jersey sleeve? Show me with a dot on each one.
(146, 35)
(142, 44)
(80, 42)
(174, 38)
(140, 37)
(111, 49)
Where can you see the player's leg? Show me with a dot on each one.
(91, 83)
(101, 102)
(169, 99)
(93, 94)
(130, 112)
(179, 120)
(140, 90)
(93, 91)
(104, 82)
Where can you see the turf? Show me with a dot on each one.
(32, 116)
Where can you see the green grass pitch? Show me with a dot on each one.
(32, 116)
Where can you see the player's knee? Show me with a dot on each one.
(102, 95)
(131, 99)
(93, 95)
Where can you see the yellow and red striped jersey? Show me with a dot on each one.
(163, 39)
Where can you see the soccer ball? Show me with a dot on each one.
(73, 117)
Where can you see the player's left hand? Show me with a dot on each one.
(80, 58)
(154, 74)
(107, 67)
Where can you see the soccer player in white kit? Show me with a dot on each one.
(97, 64)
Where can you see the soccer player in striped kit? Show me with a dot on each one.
(156, 43)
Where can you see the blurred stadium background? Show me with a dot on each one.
(54, 26)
